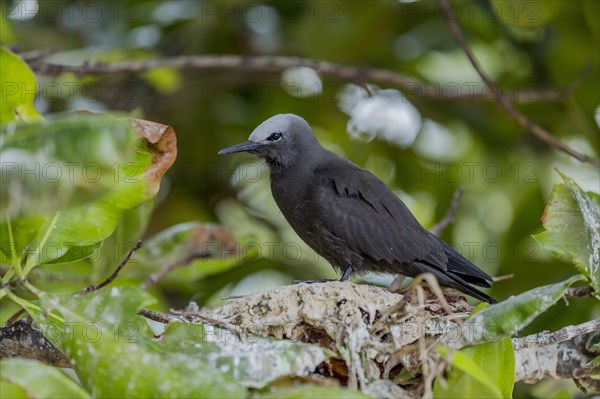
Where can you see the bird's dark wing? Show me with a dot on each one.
(359, 209)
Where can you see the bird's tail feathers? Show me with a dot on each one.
(451, 279)
(465, 287)
(458, 264)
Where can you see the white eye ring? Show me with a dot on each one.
(274, 136)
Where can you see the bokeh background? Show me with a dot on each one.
(423, 146)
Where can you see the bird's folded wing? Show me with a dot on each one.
(358, 208)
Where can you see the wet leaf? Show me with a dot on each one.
(10, 390)
(512, 315)
(308, 391)
(252, 360)
(486, 370)
(38, 380)
(112, 351)
(127, 172)
(572, 226)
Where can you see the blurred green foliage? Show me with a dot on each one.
(507, 173)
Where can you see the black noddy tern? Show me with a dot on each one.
(347, 214)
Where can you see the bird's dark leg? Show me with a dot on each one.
(347, 273)
(397, 283)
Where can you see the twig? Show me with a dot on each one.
(503, 277)
(156, 277)
(523, 120)
(435, 288)
(156, 316)
(210, 320)
(13, 319)
(450, 213)
(188, 316)
(579, 292)
(564, 334)
(560, 354)
(96, 287)
(357, 74)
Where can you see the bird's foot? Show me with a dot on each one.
(347, 273)
(396, 285)
(323, 280)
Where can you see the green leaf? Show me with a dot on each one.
(126, 173)
(252, 360)
(310, 391)
(112, 350)
(10, 390)
(485, 370)
(572, 226)
(38, 380)
(560, 394)
(510, 316)
(17, 89)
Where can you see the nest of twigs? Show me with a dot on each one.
(384, 340)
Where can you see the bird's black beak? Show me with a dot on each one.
(248, 146)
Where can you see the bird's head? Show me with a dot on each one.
(282, 140)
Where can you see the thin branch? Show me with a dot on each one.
(156, 316)
(96, 287)
(355, 74)
(434, 287)
(13, 319)
(504, 101)
(204, 319)
(564, 334)
(450, 213)
(579, 292)
(560, 354)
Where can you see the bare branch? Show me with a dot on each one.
(435, 288)
(560, 354)
(564, 334)
(156, 316)
(392, 334)
(96, 287)
(196, 316)
(504, 101)
(579, 292)
(358, 75)
(450, 213)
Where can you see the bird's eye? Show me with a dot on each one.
(274, 136)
